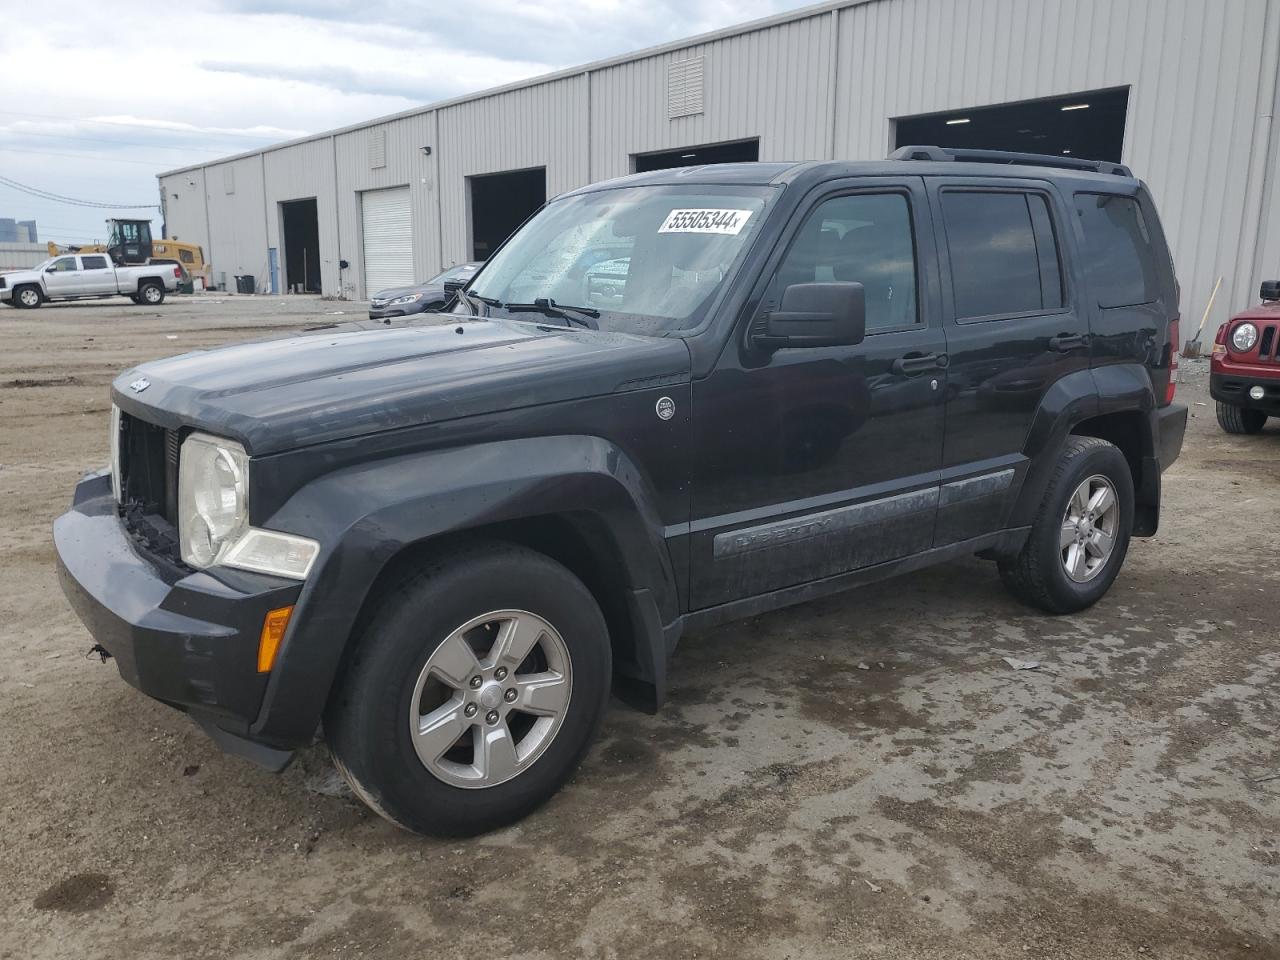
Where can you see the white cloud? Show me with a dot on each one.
(95, 105)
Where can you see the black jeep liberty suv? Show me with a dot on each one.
(667, 401)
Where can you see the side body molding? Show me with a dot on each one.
(364, 515)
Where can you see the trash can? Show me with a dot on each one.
(245, 284)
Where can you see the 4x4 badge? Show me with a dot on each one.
(665, 408)
(140, 384)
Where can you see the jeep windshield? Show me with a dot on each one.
(650, 260)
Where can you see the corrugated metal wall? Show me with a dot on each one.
(184, 202)
(237, 220)
(21, 256)
(773, 84)
(827, 82)
(406, 166)
(540, 126)
(296, 173)
(1192, 68)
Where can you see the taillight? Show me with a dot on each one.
(177, 273)
(1173, 361)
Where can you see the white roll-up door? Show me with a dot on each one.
(388, 239)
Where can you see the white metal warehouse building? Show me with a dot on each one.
(1183, 91)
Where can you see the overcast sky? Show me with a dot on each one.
(95, 103)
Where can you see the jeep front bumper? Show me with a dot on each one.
(1233, 388)
(187, 638)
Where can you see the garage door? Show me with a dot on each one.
(388, 239)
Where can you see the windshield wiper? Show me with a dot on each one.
(583, 316)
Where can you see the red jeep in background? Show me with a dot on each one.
(1244, 375)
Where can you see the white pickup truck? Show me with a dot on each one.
(88, 275)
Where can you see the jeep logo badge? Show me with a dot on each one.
(665, 408)
(140, 384)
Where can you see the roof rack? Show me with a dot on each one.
(948, 154)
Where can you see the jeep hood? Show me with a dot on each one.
(360, 379)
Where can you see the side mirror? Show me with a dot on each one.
(1270, 290)
(50, 270)
(451, 287)
(817, 315)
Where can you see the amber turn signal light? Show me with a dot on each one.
(273, 627)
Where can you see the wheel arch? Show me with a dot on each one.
(597, 518)
(1115, 403)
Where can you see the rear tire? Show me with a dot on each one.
(150, 294)
(1073, 554)
(1234, 419)
(27, 298)
(448, 618)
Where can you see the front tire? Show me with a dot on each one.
(1080, 536)
(27, 298)
(1234, 419)
(475, 690)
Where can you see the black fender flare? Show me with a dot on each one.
(1069, 402)
(365, 515)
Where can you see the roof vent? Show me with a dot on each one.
(684, 87)
(377, 149)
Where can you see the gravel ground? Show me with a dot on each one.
(858, 777)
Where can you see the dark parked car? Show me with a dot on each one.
(431, 295)
(449, 543)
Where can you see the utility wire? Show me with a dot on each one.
(59, 198)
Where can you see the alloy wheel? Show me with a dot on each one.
(1089, 528)
(490, 699)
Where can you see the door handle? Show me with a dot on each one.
(914, 363)
(1066, 342)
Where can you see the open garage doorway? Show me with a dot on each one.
(500, 202)
(301, 228)
(1086, 125)
(739, 151)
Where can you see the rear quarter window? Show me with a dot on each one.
(1119, 255)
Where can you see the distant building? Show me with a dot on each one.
(1184, 93)
(18, 231)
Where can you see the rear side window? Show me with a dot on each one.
(1118, 253)
(94, 263)
(1004, 256)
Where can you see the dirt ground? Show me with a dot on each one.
(858, 777)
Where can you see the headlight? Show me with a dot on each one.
(213, 497)
(213, 514)
(411, 298)
(1244, 337)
